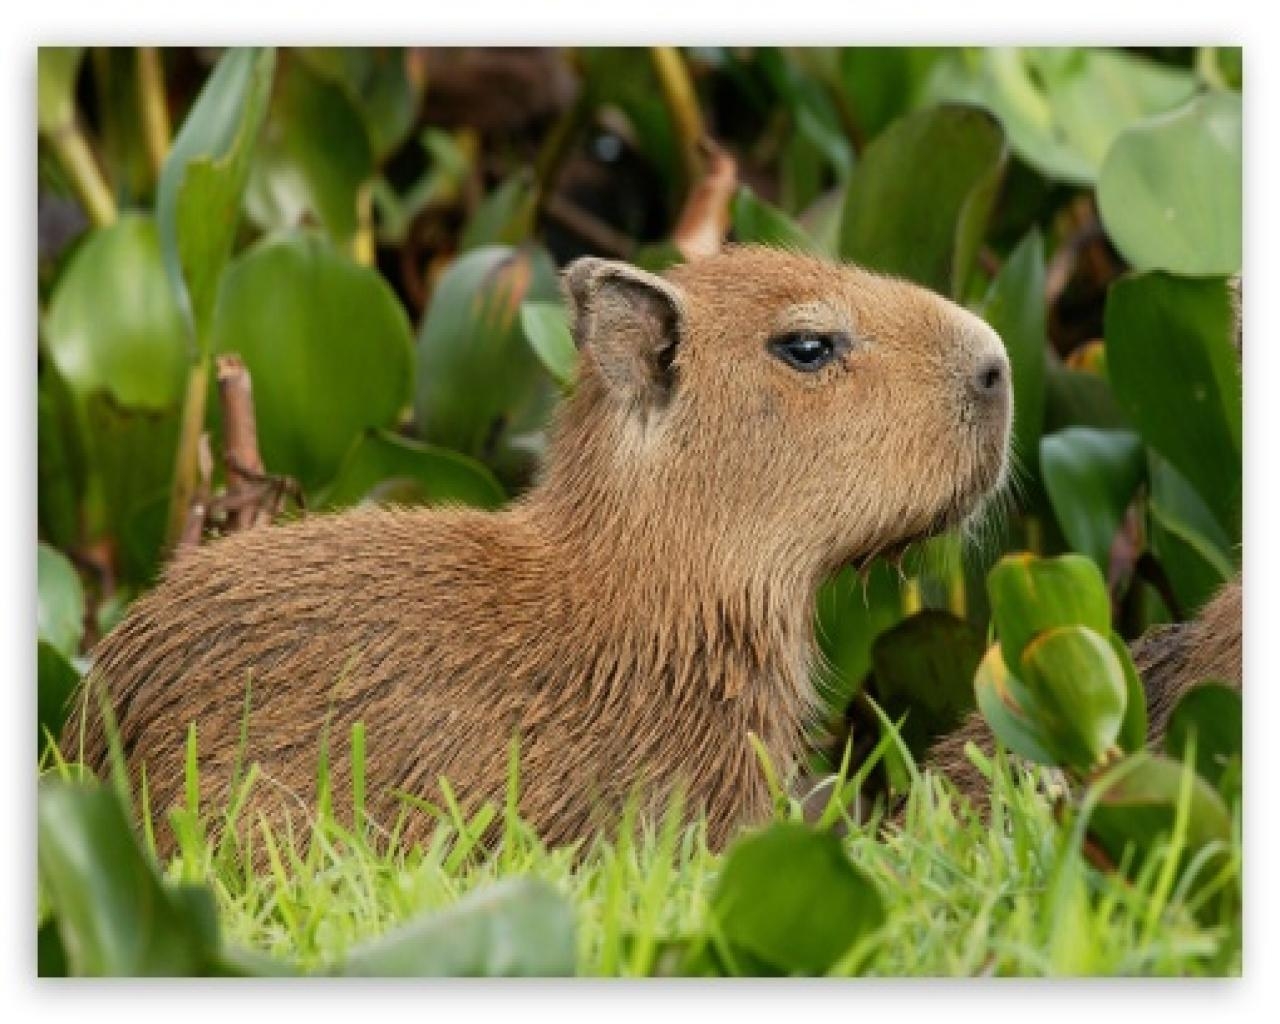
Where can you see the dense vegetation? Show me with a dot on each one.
(375, 233)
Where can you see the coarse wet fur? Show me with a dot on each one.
(634, 619)
(1172, 660)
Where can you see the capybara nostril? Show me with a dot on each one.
(990, 382)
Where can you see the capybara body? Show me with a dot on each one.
(739, 429)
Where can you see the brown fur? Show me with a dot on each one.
(1171, 661)
(634, 618)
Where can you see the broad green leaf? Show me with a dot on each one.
(1063, 107)
(518, 927)
(59, 601)
(850, 612)
(1079, 398)
(924, 666)
(113, 915)
(1133, 730)
(1014, 307)
(1000, 699)
(881, 83)
(1213, 714)
(755, 221)
(791, 898)
(203, 180)
(113, 325)
(1138, 810)
(1030, 595)
(328, 347)
(378, 82)
(61, 464)
(475, 371)
(1170, 192)
(315, 155)
(1075, 689)
(914, 215)
(1196, 553)
(1091, 476)
(546, 328)
(384, 465)
(1173, 365)
(56, 682)
(821, 222)
(56, 70)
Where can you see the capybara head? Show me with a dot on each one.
(777, 403)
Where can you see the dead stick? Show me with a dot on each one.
(198, 510)
(704, 221)
(240, 445)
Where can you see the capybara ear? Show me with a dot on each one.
(629, 323)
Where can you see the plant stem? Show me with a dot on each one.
(156, 130)
(363, 243)
(73, 152)
(186, 469)
(682, 104)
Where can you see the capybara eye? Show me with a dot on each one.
(806, 351)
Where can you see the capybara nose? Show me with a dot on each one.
(990, 380)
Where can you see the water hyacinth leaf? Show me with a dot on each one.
(56, 71)
(1076, 397)
(505, 217)
(1063, 107)
(757, 222)
(204, 176)
(1014, 307)
(546, 328)
(911, 214)
(56, 682)
(381, 83)
(328, 347)
(1195, 551)
(850, 613)
(1030, 595)
(1213, 714)
(114, 916)
(1077, 691)
(1091, 477)
(113, 325)
(61, 468)
(1174, 368)
(518, 927)
(380, 460)
(475, 371)
(1133, 729)
(59, 601)
(791, 898)
(821, 222)
(884, 82)
(1002, 703)
(925, 666)
(314, 156)
(1170, 192)
(1139, 808)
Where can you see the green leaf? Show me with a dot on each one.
(791, 898)
(475, 371)
(113, 325)
(1139, 809)
(1194, 550)
(203, 180)
(60, 601)
(911, 214)
(56, 682)
(1001, 700)
(1079, 398)
(1014, 307)
(505, 216)
(518, 927)
(315, 155)
(1214, 715)
(546, 328)
(1133, 730)
(757, 222)
(881, 83)
(1172, 363)
(1063, 107)
(1091, 476)
(925, 666)
(113, 915)
(61, 465)
(327, 344)
(850, 612)
(1075, 689)
(384, 465)
(377, 82)
(1170, 192)
(56, 70)
(1030, 595)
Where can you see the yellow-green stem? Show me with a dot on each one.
(156, 130)
(682, 104)
(186, 470)
(73, 152)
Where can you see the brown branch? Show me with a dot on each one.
(240, 446)
(704, 221)
(198, 511)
